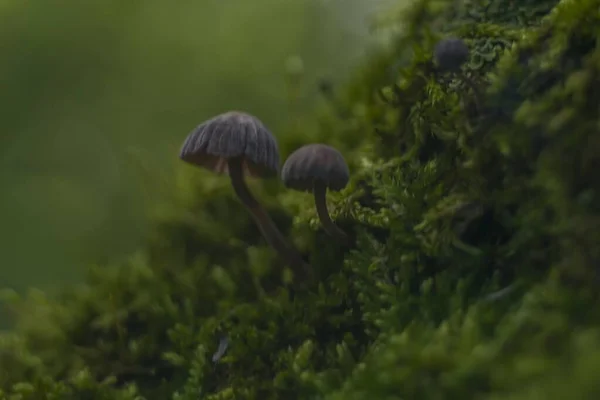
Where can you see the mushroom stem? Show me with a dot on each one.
(319, 191)
(471, 84)
(264, 221)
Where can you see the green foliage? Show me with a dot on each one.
(474, 270)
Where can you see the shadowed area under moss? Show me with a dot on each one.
(474, 268)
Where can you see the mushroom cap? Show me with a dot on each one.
(228, 135)
(315, 163)
(450, 53)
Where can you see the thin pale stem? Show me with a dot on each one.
(473, 87)
(266, 225)
(319, 191)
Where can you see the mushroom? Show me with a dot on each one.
(450, 54)
(239, 144)
(316, 168)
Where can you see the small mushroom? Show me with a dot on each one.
(316, 168)
(450, 54)
(239, 144)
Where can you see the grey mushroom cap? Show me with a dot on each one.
(451, 53)
(315, 163)
(228, 135)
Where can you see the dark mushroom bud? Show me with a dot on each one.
(316, 168)
(450, 54)
(239, 144)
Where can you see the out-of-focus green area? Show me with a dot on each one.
(96, 97)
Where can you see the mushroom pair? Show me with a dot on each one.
(239, 144)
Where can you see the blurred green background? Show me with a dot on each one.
(96, 97)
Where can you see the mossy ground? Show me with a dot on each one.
(475, 269)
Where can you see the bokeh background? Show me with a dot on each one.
(96, 97)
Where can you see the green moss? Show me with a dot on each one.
(475, 266)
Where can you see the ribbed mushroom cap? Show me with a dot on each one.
(450, 54)
(315, 163)
(229, 135)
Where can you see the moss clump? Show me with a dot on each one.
(475, 269)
